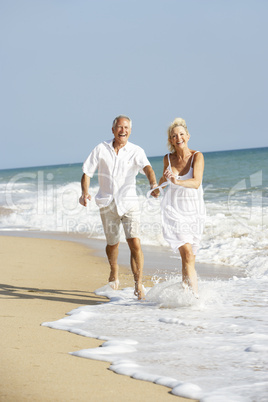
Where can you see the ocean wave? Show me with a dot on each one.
(235, 234)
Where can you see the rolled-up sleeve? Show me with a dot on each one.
(142, 160)
(91, 163)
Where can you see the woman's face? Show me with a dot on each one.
(179, 137)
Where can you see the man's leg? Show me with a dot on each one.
(111, 226)
(112, 255)
(136, 262)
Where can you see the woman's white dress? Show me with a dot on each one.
(183, 213)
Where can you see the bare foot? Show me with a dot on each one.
(114, 284)
(188, 288)
(139, 291)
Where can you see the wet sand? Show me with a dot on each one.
(42, 280)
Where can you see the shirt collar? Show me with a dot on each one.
(110, 144)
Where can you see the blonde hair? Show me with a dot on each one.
(176, 123)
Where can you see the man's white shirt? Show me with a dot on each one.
(116, 174)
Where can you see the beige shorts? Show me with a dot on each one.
(111, 223)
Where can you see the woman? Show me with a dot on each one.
(182, 207)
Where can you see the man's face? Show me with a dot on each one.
(121, 131)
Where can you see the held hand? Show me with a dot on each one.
(156, 192)
(83, 199)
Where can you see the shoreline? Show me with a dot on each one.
(42, 280)
(158, 260)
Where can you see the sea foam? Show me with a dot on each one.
(183, 342)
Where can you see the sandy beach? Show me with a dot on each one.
(42, 280)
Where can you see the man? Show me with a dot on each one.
(118, 162)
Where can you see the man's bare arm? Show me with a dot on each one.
(148, 170)
(85, 182)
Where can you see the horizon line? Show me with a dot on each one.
(151, 156)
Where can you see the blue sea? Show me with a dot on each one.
(212, 349)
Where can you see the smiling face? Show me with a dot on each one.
(179, 137)
(121, 132)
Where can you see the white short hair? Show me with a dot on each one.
(122, 116)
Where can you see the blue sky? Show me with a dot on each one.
(68, 67)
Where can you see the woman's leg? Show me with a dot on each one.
(189, 276)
